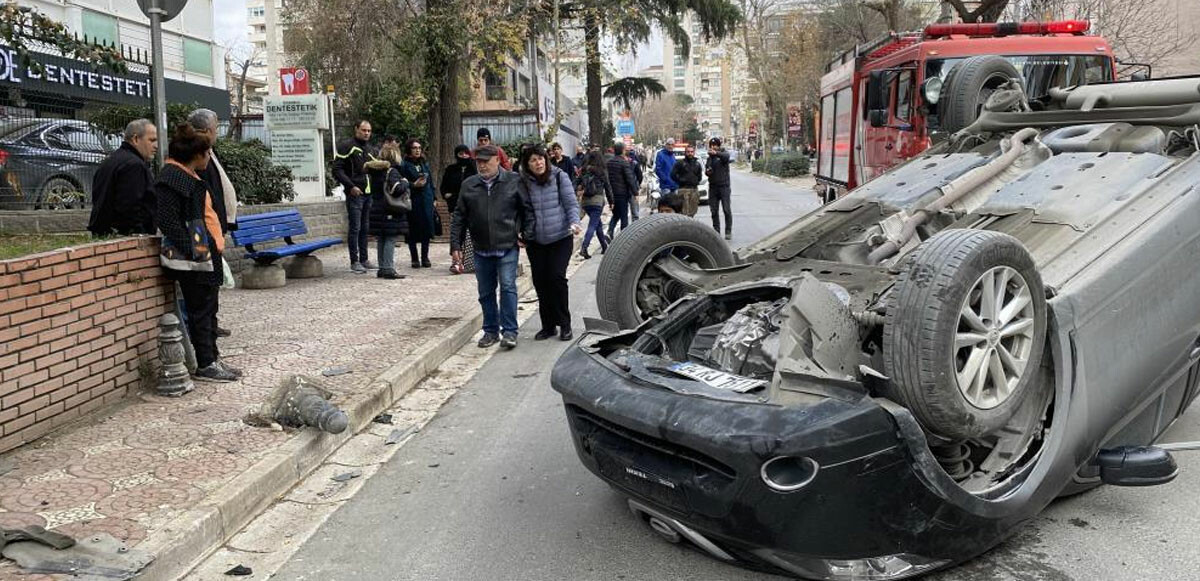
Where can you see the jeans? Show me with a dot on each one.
(502, 270)
(358, 210)
(386, 252)
(718, 197)
(620, 213)
(595, 226)
(633, 205)
(548, 267)
(691, 200)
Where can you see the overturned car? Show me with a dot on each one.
(895, 382)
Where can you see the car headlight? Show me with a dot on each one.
(883, 568)
(932, 89)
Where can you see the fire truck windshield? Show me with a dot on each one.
(1041, 72)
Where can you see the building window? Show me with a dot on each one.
(704, 85)
(100, 28)
(494, 88)
(678, 83)
(197, 57)
(257, 11)
(679, 72)
(695, 60)
(679, 62)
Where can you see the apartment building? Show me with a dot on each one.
(705, 74)
(264, 19)
(193, 63)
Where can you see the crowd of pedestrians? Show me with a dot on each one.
(390, 192)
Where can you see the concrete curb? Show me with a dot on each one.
(190, 537)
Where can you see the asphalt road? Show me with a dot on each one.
(491, 490)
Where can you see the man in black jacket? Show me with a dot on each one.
(490, 207)
(122, 189)
(349, 170)
(624, 187)
(687, 173)
(717, 170)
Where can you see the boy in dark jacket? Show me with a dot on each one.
(717, 170)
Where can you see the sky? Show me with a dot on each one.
(229, 20)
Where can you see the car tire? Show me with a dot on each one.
(961, 373)
(51, 195)
(968, 87)
(631, 251)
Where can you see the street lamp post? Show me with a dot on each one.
(159, 11)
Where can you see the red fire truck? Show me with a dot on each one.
(883, 102)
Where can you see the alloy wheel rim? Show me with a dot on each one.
(696, 255)
(994, 338)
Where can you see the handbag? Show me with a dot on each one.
(437, 223)
(398, 195)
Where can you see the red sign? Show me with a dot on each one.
(293, 81)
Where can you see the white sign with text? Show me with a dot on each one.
(295, 112)
(300, 150)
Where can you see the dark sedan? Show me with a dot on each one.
(48, 163)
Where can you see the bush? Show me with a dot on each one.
(256, 179)
(784, 165)
(513, 148)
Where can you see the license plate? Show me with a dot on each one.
(717, 379)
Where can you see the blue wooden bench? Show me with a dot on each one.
(269, 227)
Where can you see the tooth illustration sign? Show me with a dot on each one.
(293, 81)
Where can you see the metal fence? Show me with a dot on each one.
(504, 128)
(50, 147)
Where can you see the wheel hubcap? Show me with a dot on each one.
(995, 337)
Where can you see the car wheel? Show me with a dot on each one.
(630, 288)
(60, 194)
(964, 333)
(968, 87)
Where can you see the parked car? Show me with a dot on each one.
(897, 381)
(49, 163)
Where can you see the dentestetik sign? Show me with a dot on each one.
(60, 75)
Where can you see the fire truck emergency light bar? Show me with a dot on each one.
(1006, 28)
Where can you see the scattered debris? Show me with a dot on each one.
(257, 420)
(525, 375)
(434, 465)
(98, 557)
(240, 571)
(345, 476)
(336, 371)
(399, 434)
(383, 419)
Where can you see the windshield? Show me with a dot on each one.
(1041, 72)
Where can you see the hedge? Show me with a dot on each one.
(784, 165)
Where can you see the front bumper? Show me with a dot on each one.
(699, 461)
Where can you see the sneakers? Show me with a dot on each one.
(488, 340)
(230, 368)
(223, 332)
(509, 341)
(729, 236)
(358, 268)
(544, 334)
(389, 274)
(216, 372)
(367, 264)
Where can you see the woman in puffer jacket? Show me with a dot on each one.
(556, 222)
(387, 224)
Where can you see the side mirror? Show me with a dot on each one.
(1140, 76)
(878, 117)
(1136, 466)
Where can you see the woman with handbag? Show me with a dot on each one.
(389, 212)
(549, 192)
(595, 193)
(422, 219)
(192, 244)
(452, 179)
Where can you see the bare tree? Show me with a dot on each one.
(983, 11)
(240, 57)
(1140, 31)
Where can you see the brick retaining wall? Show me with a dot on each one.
(75, 326)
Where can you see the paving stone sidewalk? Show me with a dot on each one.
(129, 470)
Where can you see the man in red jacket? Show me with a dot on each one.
(484, 137)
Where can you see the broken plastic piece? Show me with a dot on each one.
(240, 571)
(382, 419)
(98, 557)
(346, 476)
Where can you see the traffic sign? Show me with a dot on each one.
(168, 9)
(625, 127)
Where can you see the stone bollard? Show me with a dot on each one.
(300, 401)
(173, 377)
(304, 266)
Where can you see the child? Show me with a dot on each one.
(670, 204)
